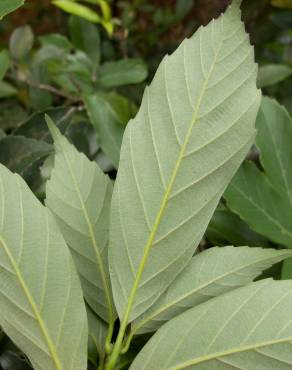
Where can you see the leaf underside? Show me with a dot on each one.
(41, 303)
(79, 196)
(210, 274)
(194, 127)
(248, 328)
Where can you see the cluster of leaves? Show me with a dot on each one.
(135, 243)
(68, 74)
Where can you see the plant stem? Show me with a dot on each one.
(117, 346)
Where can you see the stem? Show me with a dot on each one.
(117, 347)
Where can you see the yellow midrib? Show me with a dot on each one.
(33, 305)
(149, 243)
(93, 240)
(213, 356)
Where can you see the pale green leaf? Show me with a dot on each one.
(274, 140)
(252, 197)
(80, 10)
(272, 74)
(211, 273)
(79, 196)
(249, 328)
(97, 333)
(41, 304)
(194, 127)
(21, 42)
(8, 6)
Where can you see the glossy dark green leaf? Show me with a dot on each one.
(227, 228)
(18, 152)
(251, 195)
(109, 115)
(85, 36)
(35, 126)
(272, 74)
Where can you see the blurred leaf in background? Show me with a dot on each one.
(8, 6)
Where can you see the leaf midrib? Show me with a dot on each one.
(165, 199)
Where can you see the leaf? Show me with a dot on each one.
(272, 74)
(21, 42)
(274, 142)
(35, 126)
(264, 200)
(8, 6)
(252, 197)
(83, 11)
(85, 36)
(18, 152)
(122, 72)
(108, 119)
(226, 227)
(248, 328)
(178, 155)
(6, 90)
(41, 305)
(79, 196)
(97, 333)
(4, 63)
(210, 274)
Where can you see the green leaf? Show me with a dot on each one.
(7, 90)
(227, 228)
(79, 196)
(264, 200)
(56, 40)
(286, 272)
(75, 8)
(194, 127)
(108, 117)
(97, 333)
(36, 128)
(272, 74)
(18, 152)
(41, 305)
(21, 42)
(210, 274)
(122, 72)
(274, 142)
(8, 6)
(248, 328)
(252, 197)
(4, 63)
(85, 36)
